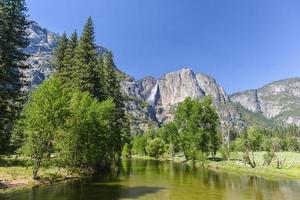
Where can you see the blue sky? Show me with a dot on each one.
(244, 44)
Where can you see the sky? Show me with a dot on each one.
(243, 44)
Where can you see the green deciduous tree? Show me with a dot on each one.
(169, 134)
(155, 147)
(72, 125)
(44, 113)
(271, 146)
(210, 123)
(249, 143)
(85, 139)
(197, 124)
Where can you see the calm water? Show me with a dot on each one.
(165, 180)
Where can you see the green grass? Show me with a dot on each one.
(235, 166)
(270, 172)
(290, 157)
(17, 174)
(265, 172)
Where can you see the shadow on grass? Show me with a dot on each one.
(216, 159)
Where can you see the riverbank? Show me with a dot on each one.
(15, 174)
(18, 177)
(290, 170)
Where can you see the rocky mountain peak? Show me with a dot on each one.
(174, 87)
(40, 49)
(41, 40)
(210, 87)
(279, 100)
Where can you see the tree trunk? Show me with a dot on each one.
(36, 168)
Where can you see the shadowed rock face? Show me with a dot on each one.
(279, 100)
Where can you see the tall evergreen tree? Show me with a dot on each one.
(68, 60)
(99, 92)
(60, 53)
(84, 77)
(70, 51)
(111, 86)
(13, 37)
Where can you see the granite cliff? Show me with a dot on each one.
(151, 102)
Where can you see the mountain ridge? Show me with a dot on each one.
(279, 100)
(151, 101)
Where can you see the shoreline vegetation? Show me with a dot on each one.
(290, 171)
(15, 176)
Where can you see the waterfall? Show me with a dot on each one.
(153, 95)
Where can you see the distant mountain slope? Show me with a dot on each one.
(254, 118)
(279, 101)
(152, 102)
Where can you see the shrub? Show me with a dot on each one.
(155, 148)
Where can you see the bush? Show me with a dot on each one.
(155, 148)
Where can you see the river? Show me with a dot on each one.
(145, 179)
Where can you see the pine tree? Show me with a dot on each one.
(60, 53)
(68, 60)
(99, 80)
(84, 77)
(13, 37)
(112, 89)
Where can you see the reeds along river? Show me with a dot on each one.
(140, 179)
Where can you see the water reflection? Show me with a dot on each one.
(137, 179)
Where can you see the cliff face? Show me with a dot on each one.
(163, 95)
(174, 87)
(152, 102)
(279, 101)
(42, 44)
